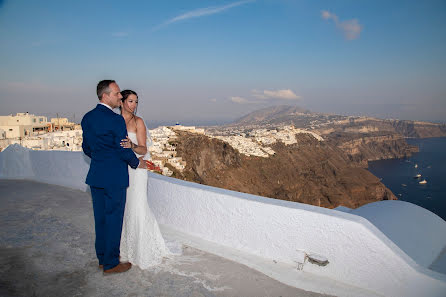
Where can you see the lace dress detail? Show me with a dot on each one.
(141, 241)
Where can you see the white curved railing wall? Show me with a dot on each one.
(359, 254)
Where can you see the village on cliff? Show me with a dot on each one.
(37, 133)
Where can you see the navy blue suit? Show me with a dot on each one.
(108, 178)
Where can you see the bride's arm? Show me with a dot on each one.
(141, 136)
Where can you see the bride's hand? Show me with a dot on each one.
(126, 143)
(142, 163)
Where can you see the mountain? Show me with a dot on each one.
(362, 139)
(275, 114)
(309, 171)
(326, 123)
(328, 172)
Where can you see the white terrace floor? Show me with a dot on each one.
(47, 249)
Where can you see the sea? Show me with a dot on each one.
(399, 175)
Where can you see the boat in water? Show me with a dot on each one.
(416, 166)
(423, 182)
(417, 175)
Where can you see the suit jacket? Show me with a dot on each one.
(103, 131)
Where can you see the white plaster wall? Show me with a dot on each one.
(68, 169)
(359, 253)
(15, 162)
(405, 223)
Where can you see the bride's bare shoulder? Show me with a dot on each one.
(140, 123)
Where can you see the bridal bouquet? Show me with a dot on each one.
(152, 167)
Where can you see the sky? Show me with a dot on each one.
(211, 62)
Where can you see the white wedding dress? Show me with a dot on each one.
(141, 241)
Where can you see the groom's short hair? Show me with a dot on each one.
(103, 87)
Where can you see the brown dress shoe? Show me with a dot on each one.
(121, 267)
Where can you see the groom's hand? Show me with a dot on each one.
(142, 163)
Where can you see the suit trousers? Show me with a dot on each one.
(108, 207)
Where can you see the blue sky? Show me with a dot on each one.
(201, 62)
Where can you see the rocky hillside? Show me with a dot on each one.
(418, 129)
(326, 123)
(327, 173)
(310, 171)
(362, 139)
(364, 147)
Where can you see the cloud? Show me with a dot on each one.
(326, 15)
(279, 94)
(350, 28)
(239, 100)
(200, 12)
(285, 94)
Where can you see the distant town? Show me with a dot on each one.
(37, 133)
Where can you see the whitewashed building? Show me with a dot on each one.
(23, 124)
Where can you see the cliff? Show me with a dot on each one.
(369, 139)
(372, 146)
(418, 129)
(362, 139)
(310, 171)
(328, 173)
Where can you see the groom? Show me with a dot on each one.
(108, 176)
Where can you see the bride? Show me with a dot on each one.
(141, 241)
